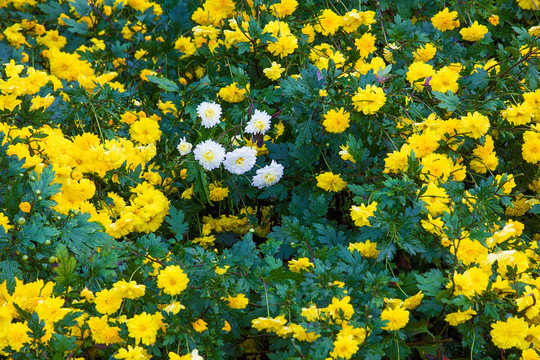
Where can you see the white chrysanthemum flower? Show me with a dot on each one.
(240, 160)
(210, 114)
(259, 123)
(195, 355)
(209, 154)
(184, 147)
(268, 175)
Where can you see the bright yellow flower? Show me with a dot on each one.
(172, 280)
(418, 73)
(274, 71)
(474, 33)
(108, 301)
(445, 80)
(336, 121)
(529, 4)
(365, 45)
(510, 333)
(232, 93)
(328, 22)
(397, 318)
(132, 353)
(143, 328)
(330, 182)
(367, 249)
(361, 214)
(369, 100)
(445, 20)
(425, 53)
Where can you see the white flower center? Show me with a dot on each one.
(259, 125)
(185, 147)
(269, 178)
(208, 155)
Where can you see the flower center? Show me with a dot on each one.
(208, 155)
(259, 125)
(269, 178)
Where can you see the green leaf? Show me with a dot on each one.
(478, 80)
(38, 231)
(153, 245)
(65, 269)
(449, 101)
(330, 236)
(175, 219)
(10, 269)
(431, 282)
(52, 9)
(82, 7)
(44, 186)
(164, 84)
(75, 27)
(245, 251)
(83, 237)
(62, 344)
(281, 274)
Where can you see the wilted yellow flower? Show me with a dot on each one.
(459, 317)
(239, 301)
(300, 264)
(200, 325)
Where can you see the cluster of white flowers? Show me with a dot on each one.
(211, 154)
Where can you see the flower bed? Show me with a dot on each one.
(252, 179)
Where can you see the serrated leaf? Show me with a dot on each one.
(431, 282)
(281, 274)
(10, 269)
(75, 27)
(44, 186)
(52, 9)
(82, 237)
(81, 7)
(330, 236)
(175, 219)
(449, 101)
(153, 245)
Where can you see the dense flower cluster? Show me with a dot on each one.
(233, 179)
